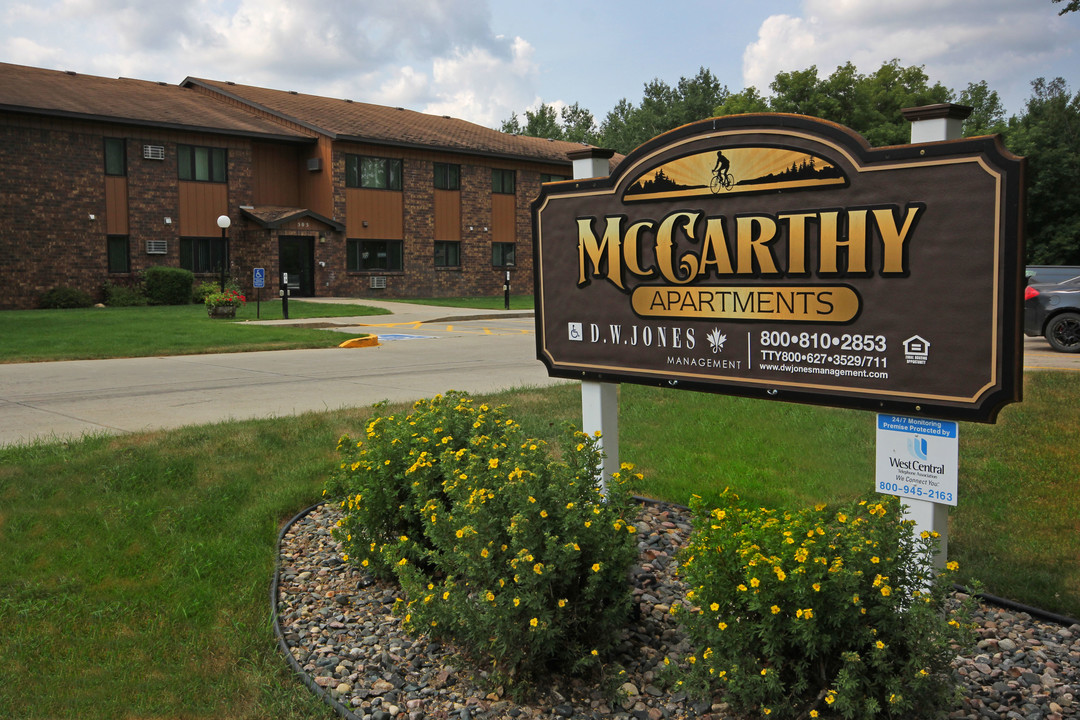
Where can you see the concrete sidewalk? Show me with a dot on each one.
(438, 349)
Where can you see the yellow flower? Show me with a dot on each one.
(855, 599)
(538, 568)
(841, 517)
(952, 565)
(517, 601)
(813, 713)
(817, 587)
(534, 622)
(714, 607)
(493, 463)
(403, 561)
(543, 513)
(754, 582)
(594, 653)
(775, 609)
(722, 626)
(691, 659)
(879, 645)
(596, 567)
(766, 711)
(490, 596)
(562, 602)
(875, 559)
(886, 591)
(484, 553)
(764, 671)
(742, 588)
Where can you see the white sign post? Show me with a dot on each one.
(599, 400)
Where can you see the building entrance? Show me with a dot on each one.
(297, 256)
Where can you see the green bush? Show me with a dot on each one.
(168, 285)
(64, 298)
(206, 287)
(824, 612)
(123, 295)
(501, 545)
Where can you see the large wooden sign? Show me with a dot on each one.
(779, 256)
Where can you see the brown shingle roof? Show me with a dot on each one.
(139, 102)
(364, 122)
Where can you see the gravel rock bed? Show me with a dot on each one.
(337, 625)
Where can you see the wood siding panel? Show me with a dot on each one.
(200, 205)
(116, 206)
(382, 210)
(448, 215)
(275, 180)
(503, 217)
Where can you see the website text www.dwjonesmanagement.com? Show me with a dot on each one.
(835, 372)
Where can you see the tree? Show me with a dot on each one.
(868, 104)
(741, 103)
(662, 108)
(542, 123)
(579, 125)
(1070, 6)
(1048, 135)
(987, 113)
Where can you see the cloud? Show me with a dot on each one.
(434, 55)
(957, 41)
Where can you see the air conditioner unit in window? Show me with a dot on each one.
(157, 247)
(378, 282)
(153, 152)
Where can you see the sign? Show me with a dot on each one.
(259, 277)
(917, 458)
(778, 256)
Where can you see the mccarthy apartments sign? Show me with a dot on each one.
(779, 256)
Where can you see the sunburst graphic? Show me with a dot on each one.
(753, 169)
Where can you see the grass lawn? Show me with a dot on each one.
(137, 568)
(517, 302)
(38, 335)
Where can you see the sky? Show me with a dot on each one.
(484, 60)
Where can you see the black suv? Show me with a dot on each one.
(1053, 310)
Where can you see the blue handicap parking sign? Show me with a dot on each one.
(259, 278)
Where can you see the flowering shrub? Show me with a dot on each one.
(228, 298)
(500, 542)
(821, 613)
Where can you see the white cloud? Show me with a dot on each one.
(480, 86)
(958, 42)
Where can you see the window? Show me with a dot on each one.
(447, 254)
(374, 255)
(115, 157)
(547, 177)
(447, 176)
(502, 181)
(502, 254)
(372, 172)
(119, 257)
(203, 164)
(202, 255)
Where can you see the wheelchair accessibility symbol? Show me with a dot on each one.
(576, 331)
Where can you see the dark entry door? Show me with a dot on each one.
(297, 256)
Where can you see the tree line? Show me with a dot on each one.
(1046, 131)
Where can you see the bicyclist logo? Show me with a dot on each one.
(735, 170)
